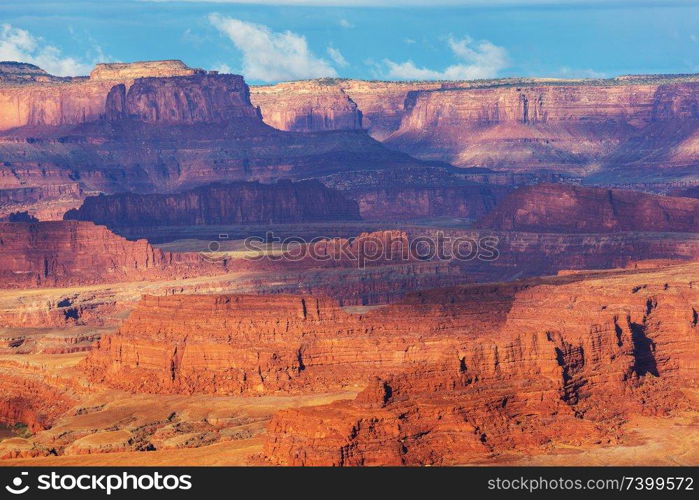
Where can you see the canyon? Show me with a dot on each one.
(467, 374)
(161, 127)
(596, 129)
(482, 272)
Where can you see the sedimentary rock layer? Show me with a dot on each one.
(466, 372)
(182, 100)
(31, 97)
(396, 202)
(31, 403)
(575, 209)
(626, 345)
(240, 346)
(66, 253)
(598, 128)
(307, 106)
(151, 129)
(235, 203)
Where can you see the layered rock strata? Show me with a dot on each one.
(561, 208)
(625, 346)
(68, 253)
(235, 203)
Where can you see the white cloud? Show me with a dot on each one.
(223, 68)
(346, 24)
(271, 56)
(337, 56)
(478, 60)
(17, 44)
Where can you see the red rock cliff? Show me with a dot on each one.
(38, 99)
(182, 99)
(466, 373)
(575, 209)
(307, 106)
(67, 253)
(236, 203)
(267, 344)
(625, 346)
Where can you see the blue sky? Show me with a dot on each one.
(272, 40)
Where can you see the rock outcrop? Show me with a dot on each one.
(396, 202)
(68, 253)
(182, 100)
(44, 201)
(163, 128)
(626, 346)
(235, 203)
(142, 69)
(31, 97)
(31, 403)
(465, 373)
(12, 72)
(578, 128)
(562, 208)
(307, 106)
(376, 106)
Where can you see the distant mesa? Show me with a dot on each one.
(142, 69)
(19, 72)
(234, 203)
(564, 208)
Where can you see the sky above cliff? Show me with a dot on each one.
(274, 40)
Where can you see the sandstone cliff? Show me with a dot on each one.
(236, 203)
(142, 69)
(575, 209)
(39, 99)
(308, 344)
(45, 254)
(396, 201)
(465, 373)
(18, 72)
(182, 100)
(541, 382)
(307, 106)
(161, 127)
(598, 128)
(44, 202)
(332, 104)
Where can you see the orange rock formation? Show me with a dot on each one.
(66, 253)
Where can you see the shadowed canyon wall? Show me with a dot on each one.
(237, 203)
(163, 127)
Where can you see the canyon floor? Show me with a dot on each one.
(553, 320)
